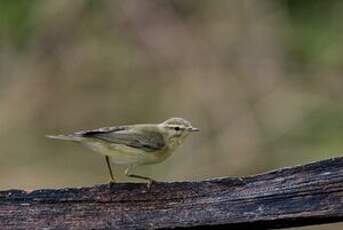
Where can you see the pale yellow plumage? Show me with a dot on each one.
(134, 145)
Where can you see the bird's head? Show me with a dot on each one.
(177, 129)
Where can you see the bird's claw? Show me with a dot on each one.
(149, 184)
(111, 183)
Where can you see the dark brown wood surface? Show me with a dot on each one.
(297, 196)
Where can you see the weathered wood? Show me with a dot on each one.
(302, 195)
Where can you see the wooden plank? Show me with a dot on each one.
(297, 196)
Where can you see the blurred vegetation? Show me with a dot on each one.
(262, 79)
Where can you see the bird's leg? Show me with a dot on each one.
(113, 180)
(127, 173)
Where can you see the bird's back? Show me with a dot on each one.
(125, 144)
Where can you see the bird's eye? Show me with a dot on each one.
(177, 128)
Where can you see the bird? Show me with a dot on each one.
(133, 145)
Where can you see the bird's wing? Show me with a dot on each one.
(149, 141)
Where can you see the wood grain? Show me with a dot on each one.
(296, 196)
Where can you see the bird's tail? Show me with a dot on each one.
(65, 137)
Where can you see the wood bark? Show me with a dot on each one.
(288, 197)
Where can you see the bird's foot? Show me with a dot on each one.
(111, 183)
(150, 182)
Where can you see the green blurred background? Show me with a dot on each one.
(261, 79)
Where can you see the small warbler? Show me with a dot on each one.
(134, 145)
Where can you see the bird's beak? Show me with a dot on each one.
(193, 129)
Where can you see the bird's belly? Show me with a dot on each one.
(122, 154)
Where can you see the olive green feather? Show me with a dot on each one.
(149, 140)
